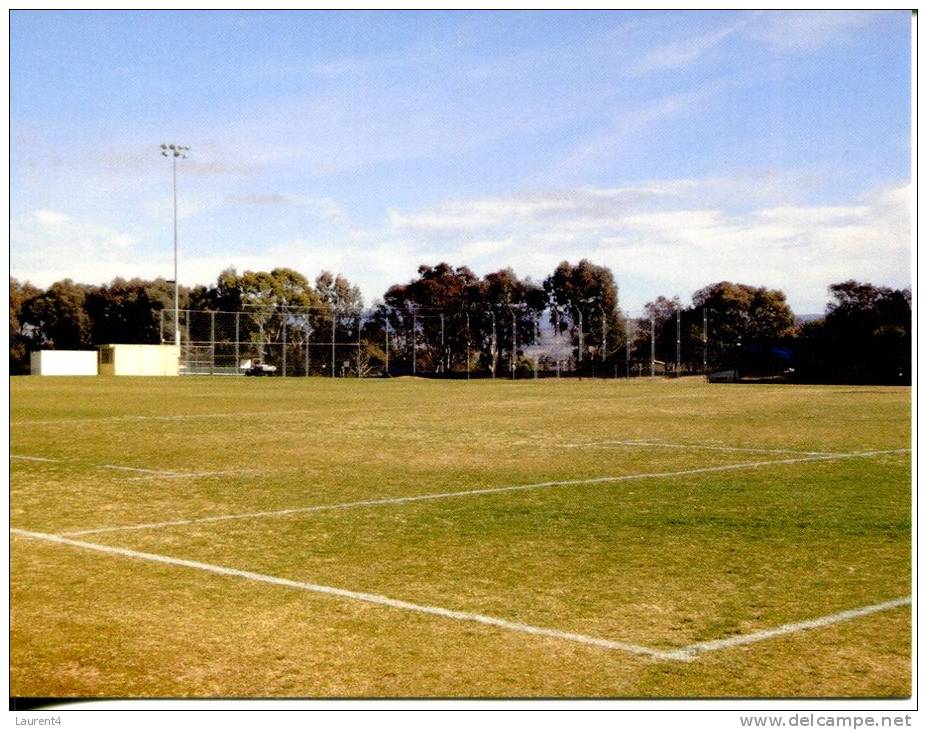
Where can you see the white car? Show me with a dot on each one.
(259, 368)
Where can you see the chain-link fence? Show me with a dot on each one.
(488, 342)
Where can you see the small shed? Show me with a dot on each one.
(139, 360)
(63, 362)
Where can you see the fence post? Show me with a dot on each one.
(580, 313)
(705, 341)
(237, 350)
(604, 338)
(653, 349)
(495, 343)
(627, 347)
(468, 344)
(514, 345)
(212, 343)
(678, 341)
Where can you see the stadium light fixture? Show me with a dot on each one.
(174, 151)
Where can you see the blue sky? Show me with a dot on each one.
(678, 148)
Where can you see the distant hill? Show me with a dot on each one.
(802, 318)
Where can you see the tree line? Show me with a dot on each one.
(449, 321)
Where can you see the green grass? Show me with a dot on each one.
(662, 561)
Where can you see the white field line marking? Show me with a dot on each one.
(190, 474)
(310, 411)
(155, 472)
(686, 653)
(283, 414)
(149, 473)
(195, 416)
(616, 398)
(695, 447)
(691, 651)
(355, 595)
(175, 417)
(471, 492)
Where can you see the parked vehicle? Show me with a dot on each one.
(259, 369)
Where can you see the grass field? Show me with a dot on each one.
(219, 537)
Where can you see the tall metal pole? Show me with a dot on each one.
(308, 334)
(557, 334)
(358, 344)
(387, 344)
(237, 353)
(414, 343)
(174, 151)
(283, 344)
(653, 349)
(176, 283)
(161, 317)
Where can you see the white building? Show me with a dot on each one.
(139, 360)
(63, 362)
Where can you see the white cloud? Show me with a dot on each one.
(475, 250)
(49, 218)
(784, 31)
(593, 205)
(804, 31)
(659, 237)
(667, 237)
(48, 229)
(680, 53)
(368, 262)
(664, 232)
(52, 245)
(622, 123)
(326, 208)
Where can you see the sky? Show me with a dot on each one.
(677, 148)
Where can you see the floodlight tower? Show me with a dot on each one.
(174, 151)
